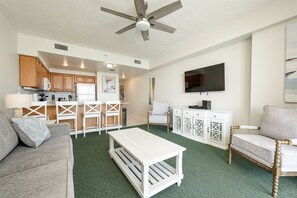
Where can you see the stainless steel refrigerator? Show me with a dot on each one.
(85, 92)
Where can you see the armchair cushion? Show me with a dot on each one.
(159, 108)
(279, 123)
(262, 149)
(161, 119)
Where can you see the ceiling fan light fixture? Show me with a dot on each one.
(143, 24)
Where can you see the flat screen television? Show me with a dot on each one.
(206, 79)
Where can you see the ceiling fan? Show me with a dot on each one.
(144, 21)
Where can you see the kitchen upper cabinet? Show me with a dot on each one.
(68, 82)
(28, 72)
(90, 79)
(31, 71)
(57, 82)
(79, 79)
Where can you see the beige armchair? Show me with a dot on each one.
(274, 148)
(159, 115)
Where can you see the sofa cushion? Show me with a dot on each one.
(159, 108)
(24, 158)
(50, 180)
(8, 137)
(262, 149)
(279, 123)
(31, 131)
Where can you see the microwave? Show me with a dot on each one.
(45, 84)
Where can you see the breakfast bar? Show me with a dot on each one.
(51, 113)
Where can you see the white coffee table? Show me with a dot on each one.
(141, 158)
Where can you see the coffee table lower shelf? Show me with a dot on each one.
(161, 174)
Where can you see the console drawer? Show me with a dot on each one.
(177, 111)
(216, 115)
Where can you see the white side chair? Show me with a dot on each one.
(159, 115)
(37, 110)
(112, 109)
(67, 111)
(92, 109)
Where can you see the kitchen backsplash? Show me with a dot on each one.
(51, 96)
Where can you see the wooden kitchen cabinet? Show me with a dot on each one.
(79, 79)
(28, 71)
(31, 71)
(57, 82)
(90, 79)
(68, 81)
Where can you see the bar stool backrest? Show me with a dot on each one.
(66, 109)
(92, 107)
(112, 106)
(37, 110)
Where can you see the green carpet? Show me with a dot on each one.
(206, 173)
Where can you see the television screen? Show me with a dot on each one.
(205, 79)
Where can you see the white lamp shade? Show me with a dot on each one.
(17, 100)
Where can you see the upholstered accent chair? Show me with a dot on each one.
(274, 148)
(159, 115)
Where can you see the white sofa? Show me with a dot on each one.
(274, 148)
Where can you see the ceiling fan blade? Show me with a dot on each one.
(160, 26)
(129, 27)
(126, 16)
(157, 14)
(145, 35)
(140, 8)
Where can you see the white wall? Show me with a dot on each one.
(170, 83)
(107, 96)
(272, 13)
(9, 69)
(268, 70)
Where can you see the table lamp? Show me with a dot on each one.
(17, 102)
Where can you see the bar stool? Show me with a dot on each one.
(92, 109)
(112, 109)
(37, 110)
(67, 111)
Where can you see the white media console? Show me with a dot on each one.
(206, 126)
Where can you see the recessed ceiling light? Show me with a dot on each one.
(82, 65)
(109, 65)
(123, 76)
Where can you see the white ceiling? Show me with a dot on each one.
(82, 23)
(56, 61)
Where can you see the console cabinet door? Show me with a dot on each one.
(199, 127)
(177, 121)
(187, 125)
(216, 131)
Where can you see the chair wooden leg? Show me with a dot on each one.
(84, 126)
(119, 122)
(105, 124)
(276, 167)
(275, 185)
(75, 128)
(230, 155)
(167, 128)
